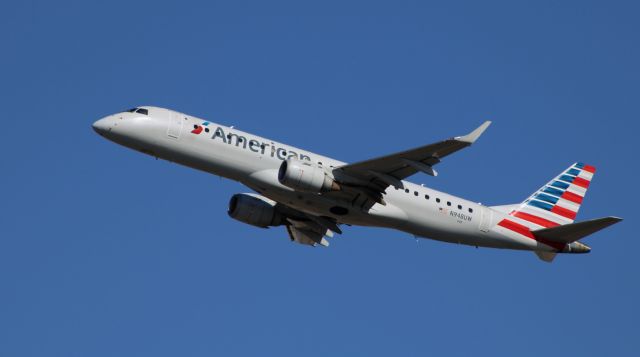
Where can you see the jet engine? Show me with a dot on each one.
(255, 210)
(305, 176)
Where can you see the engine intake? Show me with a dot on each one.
(305, 176)
(255, 210)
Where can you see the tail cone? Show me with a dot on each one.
(577, 247)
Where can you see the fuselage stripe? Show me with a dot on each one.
(535, 219)
(523, 230)
(516, 227)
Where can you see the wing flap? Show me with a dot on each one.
(306, 236)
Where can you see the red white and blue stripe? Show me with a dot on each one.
(554, 204)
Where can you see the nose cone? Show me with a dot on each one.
(102, 126)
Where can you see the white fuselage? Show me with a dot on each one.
(254, 161)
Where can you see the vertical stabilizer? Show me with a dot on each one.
(557, 203)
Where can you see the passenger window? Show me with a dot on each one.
(438, 200)
(406, 190)
(448, 203)
(470, 210)
(426, 197)
(206, 130)
(459, 206)
(415, 193)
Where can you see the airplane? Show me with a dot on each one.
(312, 195)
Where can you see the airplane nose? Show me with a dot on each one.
(102, 126)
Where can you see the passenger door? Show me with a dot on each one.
(175, 126)
(485, 219)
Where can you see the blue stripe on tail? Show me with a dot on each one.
(539, 204)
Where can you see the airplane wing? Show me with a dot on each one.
(381, 172)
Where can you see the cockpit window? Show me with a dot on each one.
(139, 110)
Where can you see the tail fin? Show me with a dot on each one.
(557, 202)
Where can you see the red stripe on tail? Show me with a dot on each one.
(535, 219)
(561, 211)
(520, 229)
(581, 182)
(516, 227)
(570, 196)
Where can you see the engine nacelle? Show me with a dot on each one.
(306, 176)
(255, 210)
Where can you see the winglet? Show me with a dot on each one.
(474, 135)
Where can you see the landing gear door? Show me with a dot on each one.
(175, 126)
(486, 219)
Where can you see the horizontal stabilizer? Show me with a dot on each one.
(572, 232)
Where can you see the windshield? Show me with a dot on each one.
(138, 110)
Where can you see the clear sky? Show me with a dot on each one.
(108, 252)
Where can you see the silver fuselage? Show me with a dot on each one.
(254, 161)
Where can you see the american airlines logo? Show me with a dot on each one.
(197, 129)
(251, 144)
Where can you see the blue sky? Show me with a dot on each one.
(107, 252)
